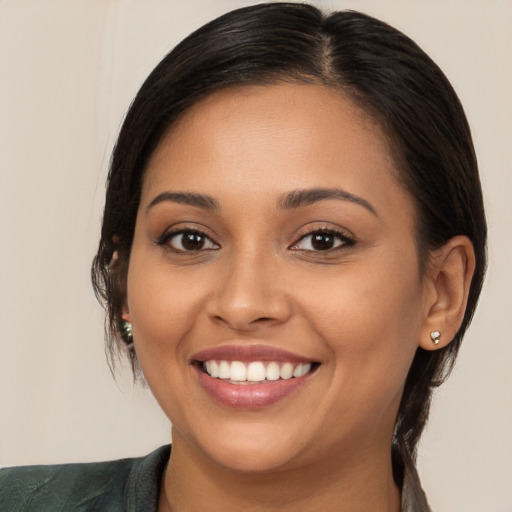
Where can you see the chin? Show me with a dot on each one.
(248, 461)
(251, 453)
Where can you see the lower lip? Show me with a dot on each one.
(249, 396)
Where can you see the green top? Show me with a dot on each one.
(126, 485)
(130, 485)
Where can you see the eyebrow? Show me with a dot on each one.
(289, 201)
(299, 198)
(189, 198)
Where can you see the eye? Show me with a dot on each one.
(188, 241)
(322, 241)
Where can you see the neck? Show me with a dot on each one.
(194, 482)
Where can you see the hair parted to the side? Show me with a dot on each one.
(382, 70)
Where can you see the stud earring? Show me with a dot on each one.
(125, 329)
(435, 336)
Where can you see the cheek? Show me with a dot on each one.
(163, 304)
(372, 342)
(369, 320)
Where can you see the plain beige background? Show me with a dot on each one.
(69, 69)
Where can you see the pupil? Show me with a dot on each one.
(192, 241)
(322, 241)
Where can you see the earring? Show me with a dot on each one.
(435, 336)
(125, 329)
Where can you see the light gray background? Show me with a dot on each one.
(68, 72)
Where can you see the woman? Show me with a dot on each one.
(293, 246)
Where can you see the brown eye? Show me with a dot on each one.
(187, 241)
(322, 241)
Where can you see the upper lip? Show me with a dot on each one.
(248, 353)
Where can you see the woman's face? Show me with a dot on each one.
(272, 237)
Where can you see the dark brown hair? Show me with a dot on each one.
(378, 67)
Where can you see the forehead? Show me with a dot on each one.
(270, 139)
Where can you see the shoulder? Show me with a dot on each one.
(413, 496)
(62, 487)
(114, 485)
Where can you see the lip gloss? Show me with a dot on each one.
(250, 395)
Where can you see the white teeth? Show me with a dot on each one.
(238, 371)
(224, 370)
(286, 371)
(297, 372)
(272, 371)
(214, 369)
(301, 370)
(255, 371)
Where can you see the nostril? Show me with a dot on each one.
(245, 324)
(248, 314)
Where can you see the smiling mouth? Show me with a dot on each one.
(255, 372)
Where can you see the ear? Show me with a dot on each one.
(449, 277)
(126, 315)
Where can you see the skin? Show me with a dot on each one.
(360, 309)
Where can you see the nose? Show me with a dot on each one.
(249, 294)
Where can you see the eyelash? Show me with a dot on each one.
(166, 238)
(343, 240)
